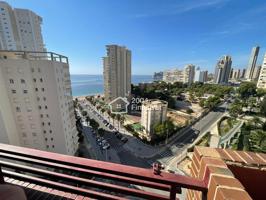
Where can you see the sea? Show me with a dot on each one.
(93, 84)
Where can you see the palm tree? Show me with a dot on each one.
(118, 117)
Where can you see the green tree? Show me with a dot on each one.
(263, 107)
(101, 131)
(94, 124)
(235, 109)
(84, 113)
(247, 89)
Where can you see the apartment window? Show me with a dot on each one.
(36, 89)
(41, 80)
(47, 146)
(40, 107)
(41, 115)
(47, 115)
(34, 80)
(11, 81)
(50, 131)
(18, 109)
(43, 123)
(22, 81)
(49, 124)
(25, 91)
(44, 98)
(46, 107)
(45, 139)
(29, 109)
(44, 131)
(34, 134)
(43, 89)
(14, 91)
(24, 134)
(52, 139)
(38, 98)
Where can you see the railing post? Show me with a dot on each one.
(204, 195)
(2, 180)
(173, 192)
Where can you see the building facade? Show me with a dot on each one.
(152, 113)
(222, 71)
(36, 105)
(262, 77)
(256, 73)
(117, 72)
(252, 63)
(158, 76)
(174, 75)
(200, 76)
(20, 29)
(189, 73)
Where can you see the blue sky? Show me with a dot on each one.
(162, 34)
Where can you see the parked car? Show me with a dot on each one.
(124, 139)
(119, 136)
(106, 146)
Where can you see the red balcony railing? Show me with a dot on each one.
(90, 178)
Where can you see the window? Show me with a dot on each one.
(45, 139)
(50, 131)
(53, 146)
(41, 80)
(49, 124)
(22, 81)
(47, 146)
(36, 89)
(44, 131)
(43, 123)
(41, 115)
(52, 139)
(40, 107)
(44, 98)
(34, 80)
(24, 134)
(18, 109)
(11, 81)
(46, 107)
(25, 91)
(14, 91)
(47, 115)
(38, 98)
(34, 134)
(43, 89)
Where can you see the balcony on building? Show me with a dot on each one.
(35, 174)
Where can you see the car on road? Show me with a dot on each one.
(119, 135)
(124, 139)
(106, 146)
(99, 139)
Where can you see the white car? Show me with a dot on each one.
(106, 146)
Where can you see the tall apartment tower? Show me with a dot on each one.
(252, 63)
(223, 69)
(117, 72)
(152, 113)
(36, 107)
(262, 77)
(189, 73)
(20, 29)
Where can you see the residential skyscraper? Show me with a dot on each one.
(222, 70)
(252, 63)
(256, 73)
(36, 105)
(189, 73)
(262, 77)
(174, 75)
(20, 29)
(200, 76)
(117, 72)
(152, 112)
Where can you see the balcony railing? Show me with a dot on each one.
(90, 178)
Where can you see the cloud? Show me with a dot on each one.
(182, 8)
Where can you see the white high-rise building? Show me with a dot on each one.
(20, 29)
(174, 75)
(223, 69)
(262, 77)
(252, 63)
(189, 73)
(117, 72)
(152, 113)
(36, 106)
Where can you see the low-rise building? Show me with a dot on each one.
(152, 112)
